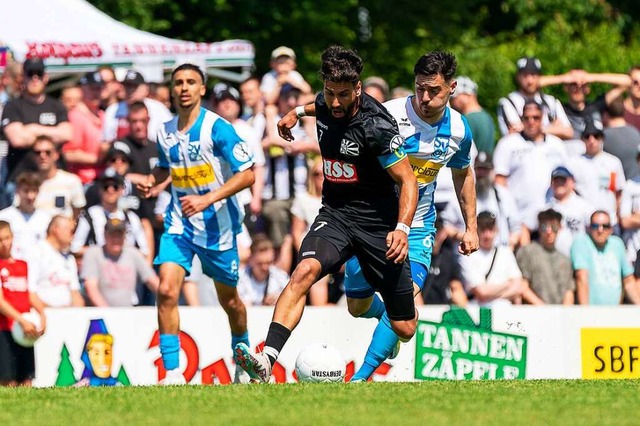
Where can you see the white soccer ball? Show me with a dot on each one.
(320, 363)
(18, 333)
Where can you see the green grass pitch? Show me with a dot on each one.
(544, 402)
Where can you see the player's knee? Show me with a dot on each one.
(168, 293)
(357, 307)
(305, 274)
(404, 329)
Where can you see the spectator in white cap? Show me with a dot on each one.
(465, 101)
(116, 123)
(283, 71)
(376, 87)
(510, 108)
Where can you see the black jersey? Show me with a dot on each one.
(353, 153)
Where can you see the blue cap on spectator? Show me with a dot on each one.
(562, 172)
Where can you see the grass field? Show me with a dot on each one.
(470, 403)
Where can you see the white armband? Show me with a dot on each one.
(300, 111)
(404, 228)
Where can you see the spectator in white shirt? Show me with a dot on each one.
(575, 210)
(262, 280)
(28, 224)
(491, 274)
(52, 269)
(524, 162)
(599, 175)
(61, 192)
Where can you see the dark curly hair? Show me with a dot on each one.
(340, 65)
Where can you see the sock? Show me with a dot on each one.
(242, 338)
(276, 338)
(170, 351)
(382, 343)
(376, 309)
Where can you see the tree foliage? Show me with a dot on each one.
(486, 35)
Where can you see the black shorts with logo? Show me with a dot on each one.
(334, 238)
(17, 363)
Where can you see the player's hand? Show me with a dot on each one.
(469, 243)
(286, 124)
(145, 186)
(29, 329)
(193, 204)
(398, 246)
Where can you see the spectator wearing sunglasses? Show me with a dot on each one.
(603, 273)
(61, 192)
(547, 277)
(31, 115)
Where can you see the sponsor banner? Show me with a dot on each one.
(610, 353)
(119, 346)
(459, 349)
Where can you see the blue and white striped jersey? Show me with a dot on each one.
(202, 160)
(429, 148)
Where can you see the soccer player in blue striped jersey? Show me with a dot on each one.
(208, 164)
(435, 136)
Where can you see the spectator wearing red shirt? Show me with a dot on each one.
(17, 363)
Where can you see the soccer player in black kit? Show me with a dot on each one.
(369, 198)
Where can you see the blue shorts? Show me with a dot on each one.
(420, 249)
(222, 266)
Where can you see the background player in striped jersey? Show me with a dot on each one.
(435, 136)
(208, 164)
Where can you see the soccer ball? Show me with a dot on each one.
(18, 333)
(320, 363)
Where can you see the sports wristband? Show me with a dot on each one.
(404, 228)
(300, 112)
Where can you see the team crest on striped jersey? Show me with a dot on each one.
(194, 151)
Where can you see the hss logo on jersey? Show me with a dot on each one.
(339, 171)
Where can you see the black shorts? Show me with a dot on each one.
(333, 239)
(17, 363)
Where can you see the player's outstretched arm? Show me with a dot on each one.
(397, 240)
(290, 119)
(464, 182)
(192, 204)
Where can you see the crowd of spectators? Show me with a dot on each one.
(558, 188)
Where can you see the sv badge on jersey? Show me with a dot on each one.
(339, 171)
(194, 151)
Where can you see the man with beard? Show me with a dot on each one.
(369, 199)
(492, 198)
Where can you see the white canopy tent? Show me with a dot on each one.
(72, 36)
